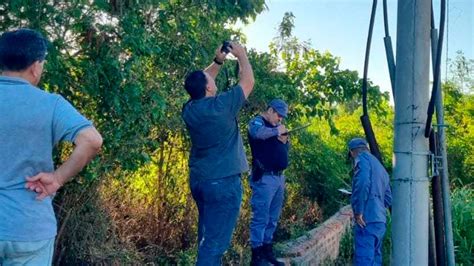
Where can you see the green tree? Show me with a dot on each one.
(459, 113)
(122, 63)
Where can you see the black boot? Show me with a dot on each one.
(269, 256)
(258, 257)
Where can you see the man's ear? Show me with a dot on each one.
(36, 69)
(34, 72)
(208, 87)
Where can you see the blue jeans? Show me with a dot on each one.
(218, 202)
(267, 202)
(368, 244)
(34, 253)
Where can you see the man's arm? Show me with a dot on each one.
(246, 80)
(360, 186)
(213, 68)
(258, 130)
(87, 144)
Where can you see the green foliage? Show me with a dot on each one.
(319, 171)
(462, 73)
(346, 248)
(122, 64)
(463, 222)
(319, 82)
(459, 115)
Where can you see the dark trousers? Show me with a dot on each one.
(218, 202)
(368, 244)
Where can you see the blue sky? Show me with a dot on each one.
(341, 27)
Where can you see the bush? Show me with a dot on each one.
(463, 224)
(319, 171)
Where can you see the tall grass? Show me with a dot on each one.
(462, 200)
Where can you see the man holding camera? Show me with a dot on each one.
(32, 122)
(371, 196)
(217, 156)
(269, 143)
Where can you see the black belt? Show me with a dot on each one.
(276, 173)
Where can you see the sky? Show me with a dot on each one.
(341, 27)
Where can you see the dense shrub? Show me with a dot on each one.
(463, 223)
(123, 66)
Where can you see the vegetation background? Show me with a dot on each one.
(122, 63)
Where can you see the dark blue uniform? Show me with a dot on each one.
(268, 190)
(371, 195)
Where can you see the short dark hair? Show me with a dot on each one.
(20, 48)
(195, 84)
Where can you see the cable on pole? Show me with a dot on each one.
(388, 49)
(369, 133)
(437, 69)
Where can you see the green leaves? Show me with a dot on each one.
(123, 64)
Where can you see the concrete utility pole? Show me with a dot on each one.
(410, 173)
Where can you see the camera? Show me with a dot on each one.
(225, 47)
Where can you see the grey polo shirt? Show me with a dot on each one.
(217, 149)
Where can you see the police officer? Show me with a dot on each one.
(269, 144)
(371, 195)
(217, 156)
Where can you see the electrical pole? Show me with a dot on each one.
(410, 174)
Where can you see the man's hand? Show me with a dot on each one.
(237, 50)
(281, 130)
(44, 184)
(359, 219)
(283, 138)
(220, 56)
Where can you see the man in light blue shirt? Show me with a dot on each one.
(32, 122)
(371, 196)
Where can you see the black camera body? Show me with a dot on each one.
(225, 47)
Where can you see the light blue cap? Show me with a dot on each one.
(357, 143)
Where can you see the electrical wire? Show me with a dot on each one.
(367, 54)
(437, 70)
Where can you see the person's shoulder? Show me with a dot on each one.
(362, 157)
(365, 155)
(188, 108)
(200, 108)
(371, 158)
(257, 121)
(42, 94)
(237, 89)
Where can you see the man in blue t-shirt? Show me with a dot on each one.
(269, 143)
(371, 196)
(217, 156)
(32, 122)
